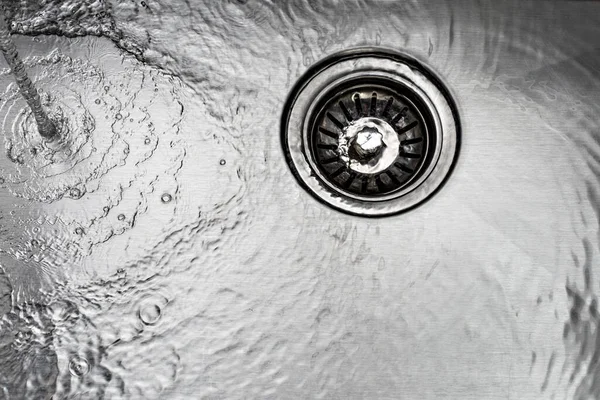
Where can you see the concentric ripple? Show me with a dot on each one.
(84, 109)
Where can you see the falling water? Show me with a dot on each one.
(46, 127)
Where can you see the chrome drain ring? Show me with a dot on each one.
(370, 132)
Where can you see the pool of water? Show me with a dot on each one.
(164, 250)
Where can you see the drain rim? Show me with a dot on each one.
(332, 71)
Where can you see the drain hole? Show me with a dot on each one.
(350, 150)
(361, 136)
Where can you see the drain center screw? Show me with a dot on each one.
(367, 144)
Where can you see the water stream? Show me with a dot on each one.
(45, 126)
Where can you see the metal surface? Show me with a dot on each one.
(165, 250)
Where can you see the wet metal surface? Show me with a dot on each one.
(164, 250)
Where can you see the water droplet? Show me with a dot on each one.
(118, 116)
(149, 313)
(121, 217)
(223, 162)
(79, 366)
(79, 231)
(166, 198)
(75, 193)
(97, 101)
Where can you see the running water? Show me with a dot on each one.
(46, 127)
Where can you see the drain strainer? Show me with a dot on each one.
(370, 132)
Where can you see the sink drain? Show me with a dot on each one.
(370, 132)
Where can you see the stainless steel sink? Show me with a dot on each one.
(166, 249)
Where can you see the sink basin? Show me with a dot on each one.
(164, 249)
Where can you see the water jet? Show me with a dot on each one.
(46, 127)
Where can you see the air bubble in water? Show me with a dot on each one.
(222, 162)
(166, 198)
(121, 217)
(75, 193)
(149, 313)
(79, 366)
(79, 231)
(147, 141)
